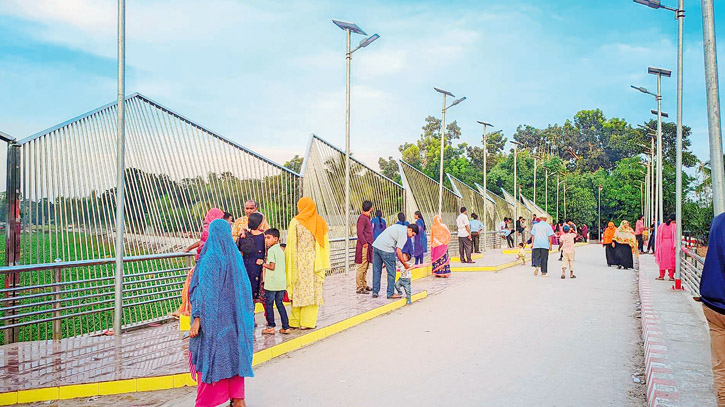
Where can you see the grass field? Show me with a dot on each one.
(86, 302)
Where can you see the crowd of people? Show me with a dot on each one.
(239, 263)
(623, 245)
(243, 262)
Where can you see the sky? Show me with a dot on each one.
(268, 74)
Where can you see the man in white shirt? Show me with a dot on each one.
(464, 237)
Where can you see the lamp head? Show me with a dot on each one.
(649, 3)
(457, 101)
(369, 40)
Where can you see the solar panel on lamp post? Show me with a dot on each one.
(349, 28)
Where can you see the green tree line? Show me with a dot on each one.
(585, 152)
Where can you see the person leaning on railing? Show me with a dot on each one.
(712, 292)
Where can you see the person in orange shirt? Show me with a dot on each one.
(607, 239)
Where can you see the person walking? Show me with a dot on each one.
(541, 245)
(386, 248)
(364, 247)
(476, 230)
(625, 246)
(607, 240)
(307, 260)
(585, 233)
(567, 248)
(666, 238)
(464, 236)
(638, 230)
(420, 245)
(712, 291)
(222, 331)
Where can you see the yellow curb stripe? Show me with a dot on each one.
(456, 259)
(184, 379)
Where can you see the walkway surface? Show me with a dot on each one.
(502, 338)
(677, 344)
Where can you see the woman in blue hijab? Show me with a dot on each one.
(712, 291)
(222, 331)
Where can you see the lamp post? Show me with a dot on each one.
(443, 142)
(680, 16)
(599, 214)
(658, 96)
(120, 169)
(546, 191)
(557, 196)
(652, 189)
(516, 204)
(349, 28)
(485, 169)
(713, 108)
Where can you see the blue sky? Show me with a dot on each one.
(267, 74)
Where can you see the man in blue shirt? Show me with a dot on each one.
(386, 248)
(476, 229)
(541, 234)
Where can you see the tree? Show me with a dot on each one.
(389, 168)
(295, 164)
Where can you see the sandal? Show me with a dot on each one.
(659, 278)
(572, 276)
(268, 331)
(563, 277)
(284, 331)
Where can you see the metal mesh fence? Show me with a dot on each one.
(176, 171)
(501, 208)
(421, 194)
(324, 182)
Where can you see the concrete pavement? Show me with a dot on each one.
(489, 339)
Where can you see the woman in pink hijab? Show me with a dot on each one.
(665, 240)
(211, 216)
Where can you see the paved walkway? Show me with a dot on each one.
(488, 339)
(677, 342)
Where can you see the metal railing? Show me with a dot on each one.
(691, 270)
(70, 298)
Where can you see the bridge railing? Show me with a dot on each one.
(691, 265)
(70, 298)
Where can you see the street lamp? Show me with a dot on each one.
(443, 142)
(546, 192)
(350, 28)
(485, 168)
(658, 96)
(599, 212)
(516, 204)
(680, 16)
(653, 191)
(717, 173)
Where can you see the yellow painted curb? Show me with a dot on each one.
(184, 379)
(456, 259)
